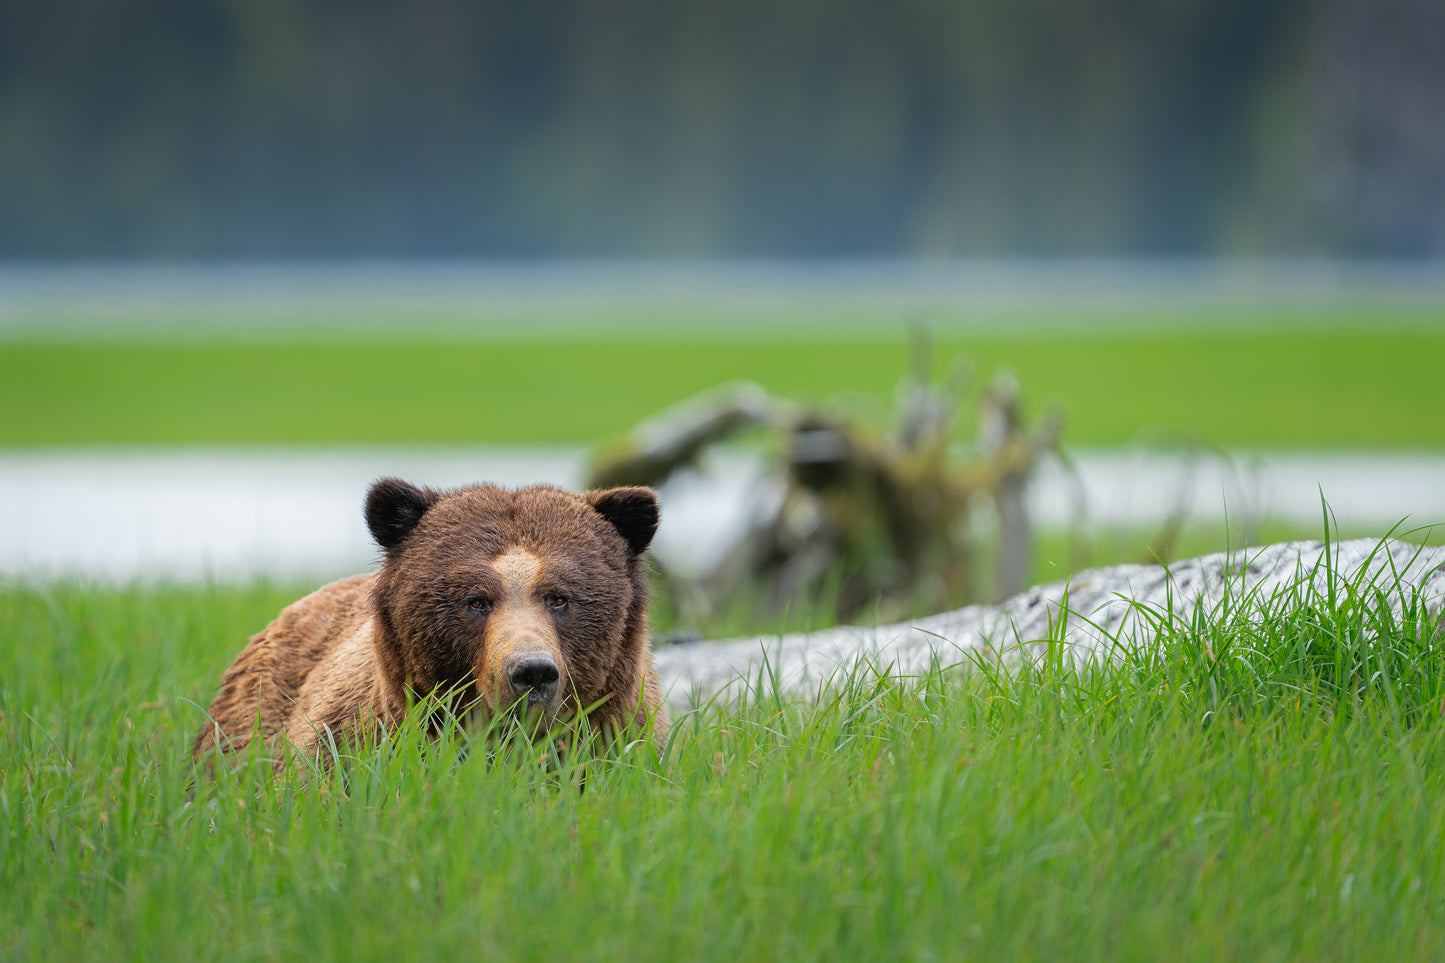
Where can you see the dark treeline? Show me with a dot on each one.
(277, 128)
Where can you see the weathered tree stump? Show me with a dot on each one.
(1090, 614)
(871, 518)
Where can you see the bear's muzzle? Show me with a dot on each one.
(534, 676)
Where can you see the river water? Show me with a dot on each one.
(678, 299)
(240, 514)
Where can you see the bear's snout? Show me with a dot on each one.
(533, 676)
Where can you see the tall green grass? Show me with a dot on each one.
(1266, 783)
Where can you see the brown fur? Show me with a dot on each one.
(475, 582)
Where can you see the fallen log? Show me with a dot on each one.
(1093, 615)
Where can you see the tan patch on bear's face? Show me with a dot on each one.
(519, 628)
(518, 570)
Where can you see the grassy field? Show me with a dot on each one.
(1268, 787)
(1300, 387)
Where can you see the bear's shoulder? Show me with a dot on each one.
(266, 680)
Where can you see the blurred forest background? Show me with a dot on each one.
(453, 128)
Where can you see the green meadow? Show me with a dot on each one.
(1264, 785)
(1296, 387)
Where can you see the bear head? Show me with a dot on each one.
(532, 599)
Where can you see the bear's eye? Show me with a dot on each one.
(556, 602)
(480, 604)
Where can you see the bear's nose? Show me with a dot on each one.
(534, 676)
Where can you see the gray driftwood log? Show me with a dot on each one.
(1101, 605)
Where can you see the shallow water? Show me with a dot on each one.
(753, 299)
(239, 514)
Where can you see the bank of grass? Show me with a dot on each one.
(1266, 786)
(1297, 386)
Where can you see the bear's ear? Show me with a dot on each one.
(632, 511)
(393, 509)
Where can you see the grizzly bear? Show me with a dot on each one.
(531, 600)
